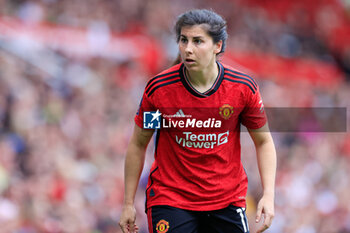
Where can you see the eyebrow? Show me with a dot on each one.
(195, 37)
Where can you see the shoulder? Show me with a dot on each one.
(239, 78)
(164, 78)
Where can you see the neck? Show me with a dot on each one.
(204, 79)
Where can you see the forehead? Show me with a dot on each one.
(199, 30)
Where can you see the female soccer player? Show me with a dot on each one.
(197, 182)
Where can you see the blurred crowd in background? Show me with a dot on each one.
(67, 107)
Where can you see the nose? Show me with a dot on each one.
(189, 48)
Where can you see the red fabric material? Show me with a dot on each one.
(149, 219)
(200, 168)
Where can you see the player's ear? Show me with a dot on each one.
(218, 46)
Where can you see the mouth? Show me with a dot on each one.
(188, 60)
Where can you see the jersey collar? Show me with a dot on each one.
(193, 91)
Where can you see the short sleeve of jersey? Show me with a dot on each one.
(253, 115)
(145, 106)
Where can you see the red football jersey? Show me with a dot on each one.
(198, 154)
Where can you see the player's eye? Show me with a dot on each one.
(197, 41)
(183, 40)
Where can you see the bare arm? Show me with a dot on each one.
(266, 157)
(134, 161)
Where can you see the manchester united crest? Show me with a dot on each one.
(162, 226)
(226, 111)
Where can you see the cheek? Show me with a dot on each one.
(207, 52)
(181, 49)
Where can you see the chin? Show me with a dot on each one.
(192, 67)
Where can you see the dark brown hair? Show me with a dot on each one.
(216, 29)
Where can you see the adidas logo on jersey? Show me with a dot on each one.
(180, 113)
